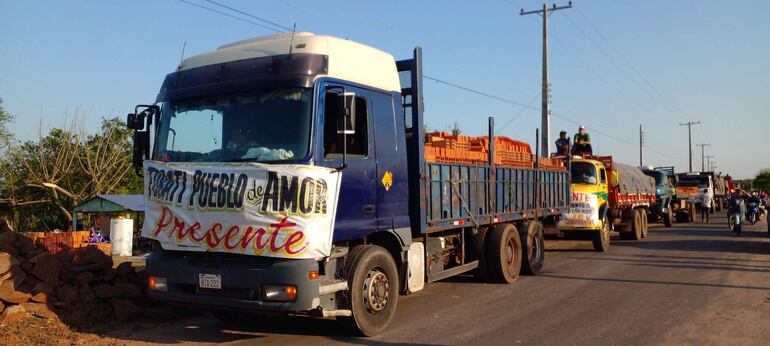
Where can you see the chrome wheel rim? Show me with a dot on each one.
(376, 289)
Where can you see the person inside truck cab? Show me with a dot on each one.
(582, 142)
(562, 144)
(239, 140)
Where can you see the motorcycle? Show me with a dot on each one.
(752, 212)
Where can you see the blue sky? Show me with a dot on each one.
(705, 61)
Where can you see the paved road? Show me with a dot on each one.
(687, 284)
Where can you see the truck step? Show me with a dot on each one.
(332, 286)
(337, 313)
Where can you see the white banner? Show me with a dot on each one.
(583, 211)
(283, 211)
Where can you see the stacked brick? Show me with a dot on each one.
(59, 242)
(445, 147)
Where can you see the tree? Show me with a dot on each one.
(762, 180)
(42, 180)
(6, 137)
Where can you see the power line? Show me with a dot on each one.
(523, 109)
(498, 98)
(630, 66)
(227, 15)
(249, 15)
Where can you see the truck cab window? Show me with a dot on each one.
(602, 176)
(358, 143)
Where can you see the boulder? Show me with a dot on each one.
(67, 294)
(8, 237)
(13, 314)
(106, 291)
(124, 268)
(86, 294)
(85, 278)
(46, 267)
(39, 298)
(44, 287)
(9, 249)
(125, 310)
(9, 294)
(7, 261)
(39, 310)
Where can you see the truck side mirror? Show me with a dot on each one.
(135, 121)
(614, 179)
(346, 121)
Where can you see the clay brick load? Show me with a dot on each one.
(444, 147)
(58, 242)
(76, 285)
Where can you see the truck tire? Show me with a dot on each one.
(533, 248)
(668, 219)
(478, 252)
(504, 253)
(601, 237)
(645, 224)
(373, 288)
(636, 225)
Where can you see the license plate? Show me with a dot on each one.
(210, 281)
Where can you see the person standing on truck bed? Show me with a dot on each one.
(562, 144)
(582, 142)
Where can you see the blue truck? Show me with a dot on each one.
(665, 193)
(401, 222)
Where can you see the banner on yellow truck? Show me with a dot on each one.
(583, 211)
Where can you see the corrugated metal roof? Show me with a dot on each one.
(112, 203)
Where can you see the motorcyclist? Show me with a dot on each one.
(737, 211)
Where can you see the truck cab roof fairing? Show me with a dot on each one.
(347, 60)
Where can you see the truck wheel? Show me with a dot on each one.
(533, 248)
(645, 224)
(668, 219)
(601, 237)
(504, 253)
(478, 252)
(373, 286)
(636, 225)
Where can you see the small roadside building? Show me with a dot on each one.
(105, 207)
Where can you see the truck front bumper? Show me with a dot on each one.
(242, 277)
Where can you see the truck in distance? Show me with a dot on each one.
(606, 196)
(664, 194)
(288, 175)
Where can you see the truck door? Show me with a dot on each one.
(356, 210)
(392, 181)
(603, 180)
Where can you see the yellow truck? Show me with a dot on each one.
(605, 197)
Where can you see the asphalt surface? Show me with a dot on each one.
(689, 284)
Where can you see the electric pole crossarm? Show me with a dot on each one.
(550, 9)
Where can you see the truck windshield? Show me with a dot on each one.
(660, 178)
(259, 126)
(583, 173)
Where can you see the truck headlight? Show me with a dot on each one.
(157, 284)
(279, 293)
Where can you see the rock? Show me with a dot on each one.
(44, 287)
(67, 294)
(26, 266)
(86, 294)
(109, 291)
(39, 310)
(109, 275)
(124, 268)
(46, 267)
(40, 298)
(85, 278)
(8, 237)
(2, 306)
(91, 257)
(16, 276)
(31, 281)
(10, 295)
(130, 290)
(7, 261)
(125, 310)
(9, 249)
(25, 245)
(13, 314)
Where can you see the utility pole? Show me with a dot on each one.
(545, 132)
(708, 162)
(641, 145)
(689, 125)
(703, 156)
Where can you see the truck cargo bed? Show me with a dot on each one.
(458, 195)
